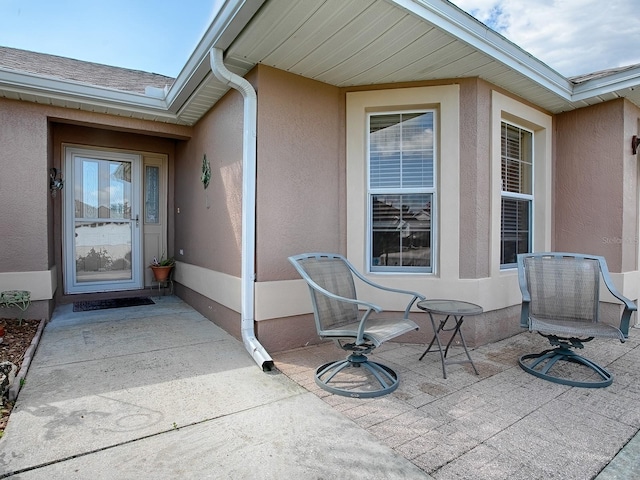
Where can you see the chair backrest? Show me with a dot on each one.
(563, 287)
(332, 273)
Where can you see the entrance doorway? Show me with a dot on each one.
(102, 221)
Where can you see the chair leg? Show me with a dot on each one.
(356, 384)
(540, 364)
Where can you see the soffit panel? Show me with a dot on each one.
(362, 43)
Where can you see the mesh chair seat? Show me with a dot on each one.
(377, 330)
(561, 300)
(336, 309)
(566, 327)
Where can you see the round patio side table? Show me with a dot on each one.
(451, 308)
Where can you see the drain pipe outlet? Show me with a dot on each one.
(236, 82)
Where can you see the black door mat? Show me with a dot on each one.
(111, 303)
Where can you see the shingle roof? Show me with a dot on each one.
(85, 72)
(602, 73)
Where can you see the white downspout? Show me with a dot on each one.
(249, 148)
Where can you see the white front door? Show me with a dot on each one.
(102, 227)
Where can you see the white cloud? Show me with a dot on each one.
(572, 37)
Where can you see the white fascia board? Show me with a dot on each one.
(231, 18)
(66, 90)
(627, 79)
(449, 18)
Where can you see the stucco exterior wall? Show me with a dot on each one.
(30, 217)
(23, 188)
(301, 171)
(62, 133)
(631, 192)
(596, 178)
(208, 221)
(475, 178)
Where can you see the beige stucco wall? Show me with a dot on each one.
(208, 225)
(299, 190)
(301, 171)
(208, 222)
(74, 134)
(29, 217)
(296, 168)
(475, 178)
(596, 183)
(23, 188)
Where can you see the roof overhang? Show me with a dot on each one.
(346, 44)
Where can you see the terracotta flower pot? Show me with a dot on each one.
(161, 273)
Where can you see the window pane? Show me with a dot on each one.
(401, 153)
(515, 235)
(401, 233)
(152, 194)
(517, 154)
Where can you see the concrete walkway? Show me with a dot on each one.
(160, 392)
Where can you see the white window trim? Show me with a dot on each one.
(433, 191)
(506, 109)
(521, 196)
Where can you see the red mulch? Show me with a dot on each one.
(15, 343)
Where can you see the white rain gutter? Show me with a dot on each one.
(249, 148)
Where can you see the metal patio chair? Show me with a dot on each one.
(332, 284)
(560, 301)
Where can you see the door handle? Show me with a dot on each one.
(137, 220)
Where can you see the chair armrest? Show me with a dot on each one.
(416, 296)
(524, 290)
(629, 306)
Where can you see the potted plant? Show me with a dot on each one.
(162, 268)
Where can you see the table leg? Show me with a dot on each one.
(464, 344)
(456, 330)
(436, 338)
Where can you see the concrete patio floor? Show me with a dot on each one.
(502, 423)
(161, 392)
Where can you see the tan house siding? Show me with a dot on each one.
(300, 191)
(73, 134)
(31, 250)
(23, 188)
(475, 178)
(208, 226)
(631, 193)
(208, 222)
(590, 177)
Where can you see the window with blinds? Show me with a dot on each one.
(517, 193)
(401, 190)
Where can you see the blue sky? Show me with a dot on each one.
(571, 36)
(155, 36)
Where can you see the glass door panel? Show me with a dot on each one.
(103, 225)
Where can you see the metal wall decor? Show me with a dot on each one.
(205, 178)
(55, 181)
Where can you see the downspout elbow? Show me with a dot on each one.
(229, 78)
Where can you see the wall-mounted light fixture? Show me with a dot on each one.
(55, 182)
(635, 143)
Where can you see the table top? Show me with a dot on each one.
(450, 307)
